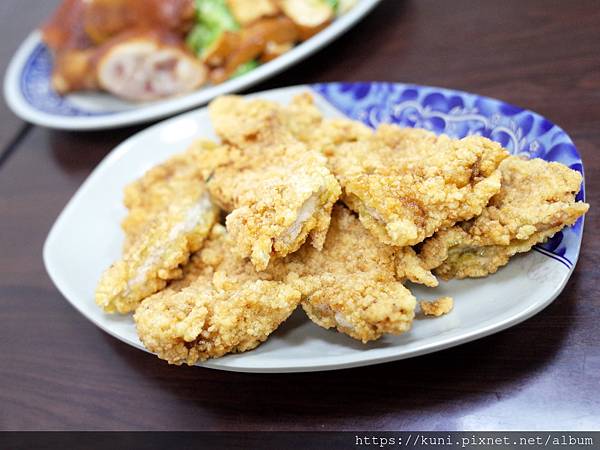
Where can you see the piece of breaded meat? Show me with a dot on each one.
(405, 184)
(306, 122)
(358, 305)
(221, 305)
(278, 191)
(171, 215)
(351, 283)
(410, 267)
(154, 192)
(536, 200)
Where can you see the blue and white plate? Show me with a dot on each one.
(29, 93)
(86, 237)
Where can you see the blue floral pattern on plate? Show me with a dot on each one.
(37, 90)
(460, 114)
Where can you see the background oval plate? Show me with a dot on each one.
(86, 237)
(29, 94)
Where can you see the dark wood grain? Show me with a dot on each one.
(59, 371)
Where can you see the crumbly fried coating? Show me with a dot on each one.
(410, 267)
(406, 184)
(221, 305)
(437, 307)
(171, 215)
(153, 193)
(201, 322)
(359, 306)
(536, 200)
(279, 191)
(349, 248)
(247, 123)
(350, 284)
(306, 122)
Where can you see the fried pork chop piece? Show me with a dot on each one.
(306, 122)
(350, 284)
(359, 306)
(171, 215)
(153, 193)
(202, 322)
(410, 267)
(536, 200)
(405, 184)
(221, 305)
(278, 190)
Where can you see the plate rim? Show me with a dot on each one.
(168, 107)
(337, 363)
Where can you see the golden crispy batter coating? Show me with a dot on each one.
(221, 305)
(349, 248)
(218, 257)
(359, 306)
(406, 184)
(201, 322)
(171, 215)
(305, 121)
(248, 123)
(350, 284)
(536, 200)
(410, 267)
(278, 191)
(152, 194)
(437, 307)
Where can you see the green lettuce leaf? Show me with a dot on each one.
(213, 18)
(245, 68)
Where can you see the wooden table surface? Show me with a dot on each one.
(59, 371)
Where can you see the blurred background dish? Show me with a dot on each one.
(110, 63)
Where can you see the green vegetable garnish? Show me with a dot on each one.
(213, 18)
(201, 37)
(334, 4)
(245, 68)
(215, 14)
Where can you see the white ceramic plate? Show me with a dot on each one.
(29, 94)
(86, 237)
